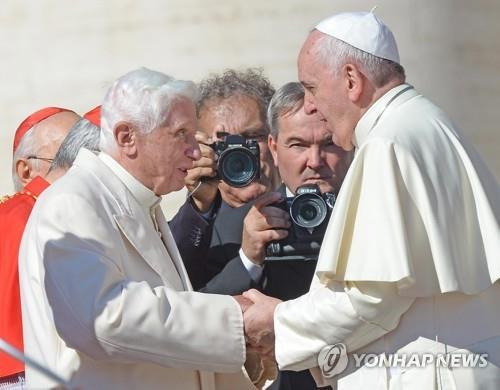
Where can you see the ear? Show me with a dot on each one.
(126, 138)
(24, 171)
(354, 81)
(273, 146)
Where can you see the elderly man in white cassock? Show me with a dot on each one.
(106, 300)
(410, 263)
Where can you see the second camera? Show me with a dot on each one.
(238, 160)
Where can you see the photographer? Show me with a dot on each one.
(208, 227)
(302, 150)
(304, 153)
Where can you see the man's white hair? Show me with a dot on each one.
(142, 97)
(337, 53)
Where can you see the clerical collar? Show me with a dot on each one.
(144, 196)
(371, 117)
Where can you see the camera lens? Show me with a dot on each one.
(308, 210)
(237, 167)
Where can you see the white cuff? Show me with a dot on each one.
(254, 270)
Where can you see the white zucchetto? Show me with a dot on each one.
(364, 31)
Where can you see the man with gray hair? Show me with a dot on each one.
(208, 226)
(408, 273)
(305, 155)
(83, 134)
(107, 302)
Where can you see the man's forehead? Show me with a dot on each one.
(235, 114)
(230, 105)
(307, 74)
(181, 110)
(306, 126)
(308, 57)
(187, 122)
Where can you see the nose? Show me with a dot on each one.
(315, 158)
(309, 106)
(193, 151)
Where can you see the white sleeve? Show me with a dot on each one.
(254, 270)
(351, 313)
(103, 312)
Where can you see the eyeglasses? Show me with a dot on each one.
(49, 160)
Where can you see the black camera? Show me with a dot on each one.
(238, 160)
(309, 211)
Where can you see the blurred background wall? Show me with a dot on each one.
(66, 53)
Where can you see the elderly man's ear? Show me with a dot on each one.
(126, 138)
(354, 81)
(24, 171)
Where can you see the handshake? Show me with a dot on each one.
(258, 317)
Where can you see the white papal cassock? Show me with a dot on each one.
(106, 300)
(411, 257)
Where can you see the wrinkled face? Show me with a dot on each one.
(169, 150)
(240, 115)
(326, 93)
(304, 153)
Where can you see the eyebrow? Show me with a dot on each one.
(187, 125)
(296, 139)
(306, 84)
(292, 139)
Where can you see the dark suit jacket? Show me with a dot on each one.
(209, 250)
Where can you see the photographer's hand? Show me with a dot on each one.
(263, 223)
(203, 192)
(237, 197)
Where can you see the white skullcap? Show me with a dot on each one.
(364, 31)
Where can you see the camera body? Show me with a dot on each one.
(309, 212)
(238, 160)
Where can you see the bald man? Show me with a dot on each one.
(36, 142)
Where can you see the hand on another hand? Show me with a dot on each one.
(259, 323)
(244, 303)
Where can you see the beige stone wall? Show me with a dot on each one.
(67, 52)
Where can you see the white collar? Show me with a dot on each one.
(144, 196)
(373, 114)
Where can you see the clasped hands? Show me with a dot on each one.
(263, 223)
(258, 317)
